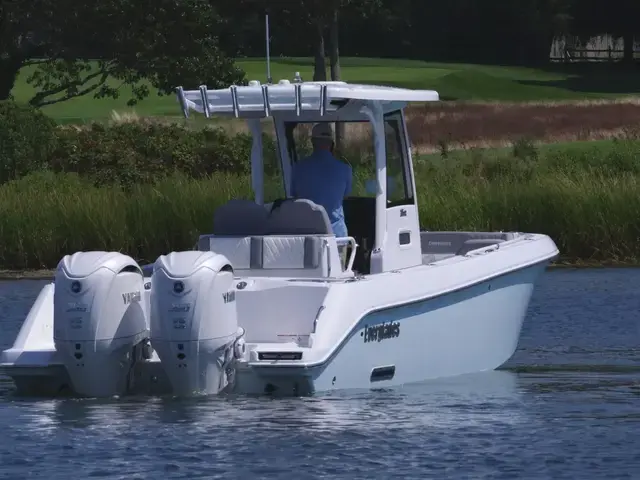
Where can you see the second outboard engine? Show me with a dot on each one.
(99, 320)
(194, 322)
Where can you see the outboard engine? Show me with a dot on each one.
(99, 320)
(194, 322)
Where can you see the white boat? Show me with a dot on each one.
(265, 304)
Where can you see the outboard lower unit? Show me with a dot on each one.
(99, 320)
(194, 322)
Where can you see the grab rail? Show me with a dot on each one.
(354, 246)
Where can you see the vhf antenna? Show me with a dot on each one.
(266, 22)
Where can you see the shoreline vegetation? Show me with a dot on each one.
(477, 124)
(584, 195)
(535, 159)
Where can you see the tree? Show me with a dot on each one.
(335, 6)
(323, 15)
(77, 48)
(319, 52)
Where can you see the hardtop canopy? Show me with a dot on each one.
(300, 102)
(306, 99)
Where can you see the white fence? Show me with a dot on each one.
(603, 48)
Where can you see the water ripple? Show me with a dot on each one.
(564, 407)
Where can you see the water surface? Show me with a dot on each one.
(567, 405)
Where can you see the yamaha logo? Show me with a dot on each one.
(178, 287)
(76, 286)
(130, 297)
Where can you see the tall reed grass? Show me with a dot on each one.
(585, 196)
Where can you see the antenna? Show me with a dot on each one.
(266, 22)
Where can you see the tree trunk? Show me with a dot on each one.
(334, 59)
(319, 66)
(9, 69)
(334, 50)
(628, 48)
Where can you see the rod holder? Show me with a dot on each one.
(234, 100)
(323, 100)
(205, 101)
(298, 95)
(183, 102)
(265, 99)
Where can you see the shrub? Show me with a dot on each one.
(124, 154)
(27, 138)
(131, 153)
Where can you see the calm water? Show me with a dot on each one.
(567, 406)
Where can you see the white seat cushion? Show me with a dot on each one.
(292, 252)
(236, 249)
(279, 255)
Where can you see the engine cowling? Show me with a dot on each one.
(99, 320)
(194, 322)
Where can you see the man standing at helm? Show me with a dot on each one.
(324, 179)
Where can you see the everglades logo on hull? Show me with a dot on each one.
(382, 331)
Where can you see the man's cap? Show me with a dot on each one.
(322, 130)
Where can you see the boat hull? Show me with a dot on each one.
(471, 329)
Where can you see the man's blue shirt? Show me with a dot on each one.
(325, 180)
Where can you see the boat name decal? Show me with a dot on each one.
(382, 331)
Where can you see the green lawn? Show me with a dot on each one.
(452, 81)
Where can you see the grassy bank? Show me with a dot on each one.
(584, 195)
(493, 105)
(453, 82)
(461, 125)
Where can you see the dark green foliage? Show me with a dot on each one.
(124, 154)
(583, 195)
(148, 188)
(475, 31)
(107, 47)
(139, 45)
(27, 140)
(134, 153)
